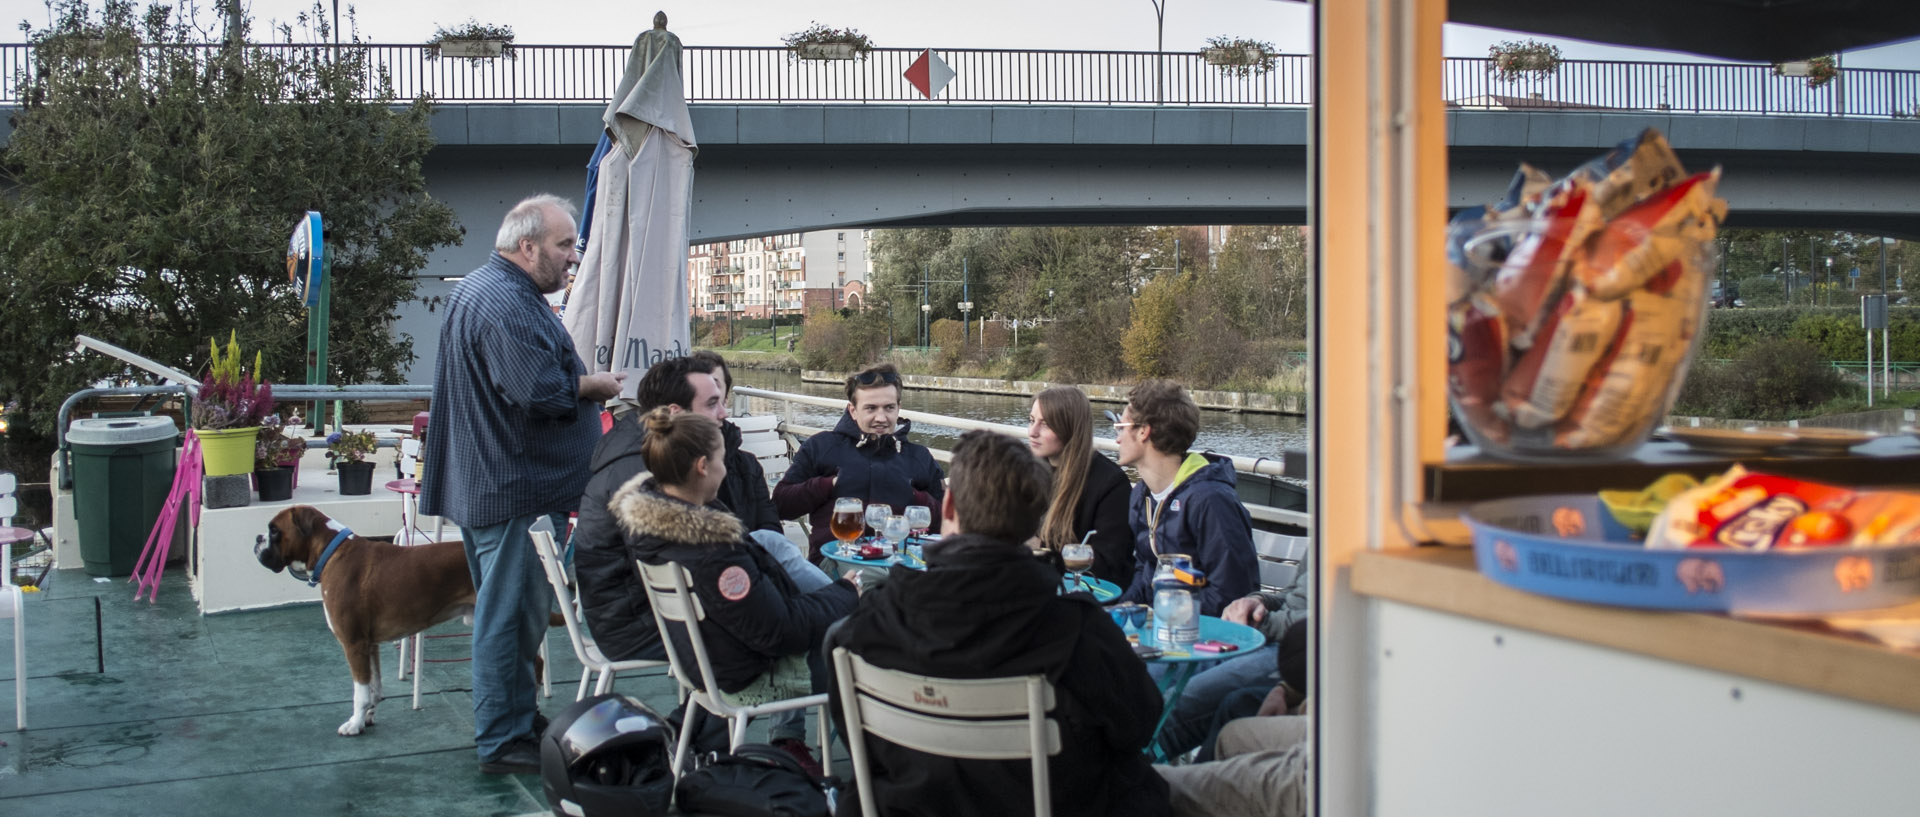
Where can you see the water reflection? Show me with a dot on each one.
(1246, 435)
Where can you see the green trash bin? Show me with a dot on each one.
(122, 471)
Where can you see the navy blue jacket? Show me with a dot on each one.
(889, 469)
(1203, 518)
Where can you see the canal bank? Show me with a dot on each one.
(1233, 401)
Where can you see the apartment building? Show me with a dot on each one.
(785, 275)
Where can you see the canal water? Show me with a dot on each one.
(1221, 432)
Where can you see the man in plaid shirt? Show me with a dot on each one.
(515, 417)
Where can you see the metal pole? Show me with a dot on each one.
(1869, 358)
(1784, 271)
(336, 22)
(1159, 49)
(965, 293)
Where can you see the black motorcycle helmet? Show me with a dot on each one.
(607, 756)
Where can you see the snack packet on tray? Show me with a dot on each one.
(1748, 511)
(1574, 309)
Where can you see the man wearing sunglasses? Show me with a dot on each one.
(1185, 501)
(866, 456)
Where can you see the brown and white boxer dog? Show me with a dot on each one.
(371, 592)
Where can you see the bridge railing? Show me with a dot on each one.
(588, 73)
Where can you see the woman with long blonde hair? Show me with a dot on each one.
(1089, 490)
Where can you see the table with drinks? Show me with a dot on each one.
(874, 538)
(1172, 634)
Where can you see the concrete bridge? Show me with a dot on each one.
(1119, 138)
(785, 168)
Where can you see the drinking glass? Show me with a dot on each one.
(919, 518)
(895, 531)
(877, 514)
(1078, 557)
(846, 524)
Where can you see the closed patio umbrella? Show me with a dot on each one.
(629, 300)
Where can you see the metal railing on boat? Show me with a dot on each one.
(785, 401)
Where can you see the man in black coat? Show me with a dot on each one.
(986, 608)
(866, 456)
(615, 604)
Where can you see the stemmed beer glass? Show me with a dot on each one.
(919, 519)
(895, 530)
(846, 524)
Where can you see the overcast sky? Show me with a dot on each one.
(1118, 25)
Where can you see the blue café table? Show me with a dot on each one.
(1182, 666)
(1103, 591)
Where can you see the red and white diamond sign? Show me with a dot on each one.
(929, 74)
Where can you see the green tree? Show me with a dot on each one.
(1150, 345)
(1262, 277)
(156, 175)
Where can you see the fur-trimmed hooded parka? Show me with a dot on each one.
(755, 614)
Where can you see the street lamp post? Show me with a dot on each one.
(1159, 46)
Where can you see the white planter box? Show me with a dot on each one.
(1234, 56)
(472, 48)
(826, 51)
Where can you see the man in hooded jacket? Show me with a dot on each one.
(1185, 501)
(986, 608)
(867, 456)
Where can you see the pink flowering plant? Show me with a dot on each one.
(275, 447)
(230, 396)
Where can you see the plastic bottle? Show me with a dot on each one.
(1175, 624)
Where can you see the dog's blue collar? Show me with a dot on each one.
(313, 576)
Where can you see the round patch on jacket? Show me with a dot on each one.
(734, 583)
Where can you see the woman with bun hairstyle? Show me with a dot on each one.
(1089, 490)
(762, 633)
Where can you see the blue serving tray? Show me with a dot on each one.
(1569, 546)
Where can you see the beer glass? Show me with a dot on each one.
(919, 518)
(846, 524)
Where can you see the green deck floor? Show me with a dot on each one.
(234, 714)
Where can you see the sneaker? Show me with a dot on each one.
(519, 756)
(802, 755)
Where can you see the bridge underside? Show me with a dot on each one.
(742, 191)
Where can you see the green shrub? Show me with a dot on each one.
(1770, 380)
(1835, 331)
(836, 342)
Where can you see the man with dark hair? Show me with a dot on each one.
(514, 415)
(986, 608)
(611, 596)
(867, 455)
(1185, 501)
(614, 602)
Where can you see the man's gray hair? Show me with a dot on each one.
(528, 219)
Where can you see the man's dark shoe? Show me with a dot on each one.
(801, 754)
(520, 756)
(539, 724)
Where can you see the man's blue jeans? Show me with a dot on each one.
(509, 622)
(1193, 713)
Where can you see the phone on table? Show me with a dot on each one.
(1147, 653)
(1215, 646)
